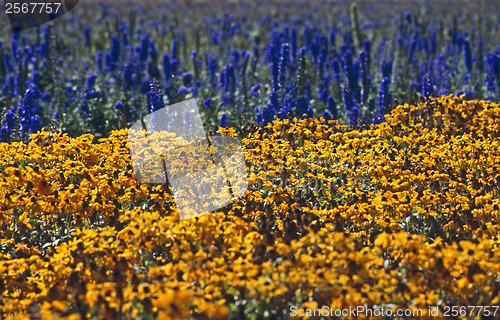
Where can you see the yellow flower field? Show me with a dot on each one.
(404, 214)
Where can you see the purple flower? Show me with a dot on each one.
(8, 62)
(153, 70)
(207, 102)
(182, 91)
(212, 69)
(427, 86)
(84, 109)
(274, 101)
(86, 32)
(353, 116)
(336, 69)
(494, 62)
(384, 96)
(125, 37)
(412, 48)
(433, 43)
(187, 77)
(36, 124)
(9, 87)
(222, 78)
(467, 56)
(256, 52)
(115, 49)
(284, 61)
(120, 106)
(377, 118)
(215, 38)
(408, 16)
(274, 60)
(480, 53)
(367, 46)
(108, 59)
(36, 78)
(144, 49)
(128, 79)
(5, 134)
(490, 82)
(166, 67)
(293, 42)
(45, 46)
(90, 82)
(174, 52)
(10, 119)
(326, 115)
(14, 48)
(174, 63)
(314, 50)
(254, 90)
(30, 104)
(145, 87)
(236, 57)
(347, 96)
(153, 52)
(331, 106)
(386, 69)
(302, 106)
(92, 94)
(224, 121)
(230, 80)
(99, 60)
(155, 96)
(351, 74)
(47, 97)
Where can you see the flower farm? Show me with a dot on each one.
(371, 136)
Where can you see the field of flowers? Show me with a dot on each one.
(371, 134)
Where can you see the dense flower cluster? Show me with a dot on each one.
(400, 214)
